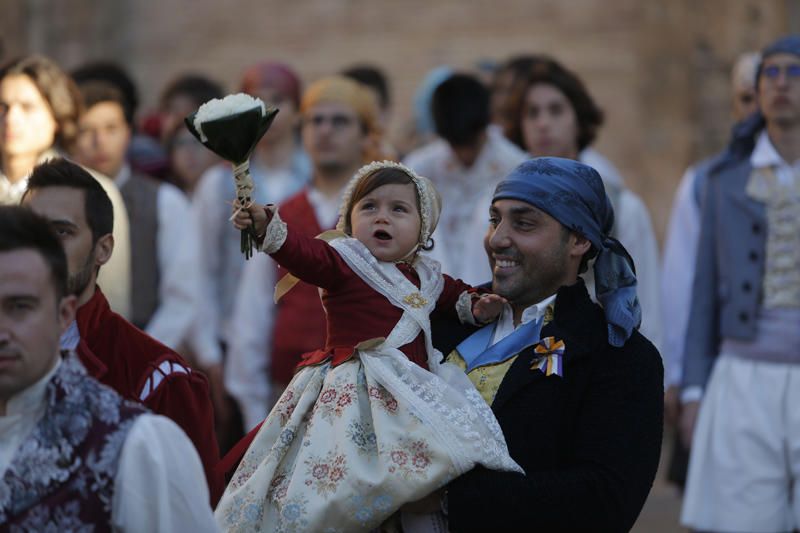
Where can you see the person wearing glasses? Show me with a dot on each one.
(678, 270)
(340, 132)
(743, 334)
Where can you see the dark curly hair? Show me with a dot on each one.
(548, 71)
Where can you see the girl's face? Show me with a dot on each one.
(387, 221)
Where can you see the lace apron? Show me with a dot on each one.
(347, 446)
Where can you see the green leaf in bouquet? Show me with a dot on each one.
(234, 137)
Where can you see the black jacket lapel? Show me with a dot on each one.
(578, 322)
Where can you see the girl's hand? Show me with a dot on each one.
(487, 308)
(254, 214)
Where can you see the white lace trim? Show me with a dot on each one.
(446, 403)
(464, 308)
(443, 398)
(387, 279)
(275, 234)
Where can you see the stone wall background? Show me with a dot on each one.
(659, 68)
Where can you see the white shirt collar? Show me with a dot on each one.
(31, 398)
(505, 324)
(764, 154)
(71, 337)
(326, 208)
(123, 175)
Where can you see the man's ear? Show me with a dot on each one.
(103, 249)
(579, 245)
(66, 311)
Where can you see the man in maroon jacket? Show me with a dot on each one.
(114, 351)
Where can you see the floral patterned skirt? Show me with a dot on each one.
(346, 446)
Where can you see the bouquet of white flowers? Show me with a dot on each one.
(231, 128)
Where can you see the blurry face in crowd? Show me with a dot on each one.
(333, 137)
(744, 100)
(549, 123)
(64, 208)
(176, 109)
(189, 159)
(387, 221)
(530, 254)
(32, 318)
(27, 126)
(779, 90)
(104, 138)
(502, 85)
(285, 121)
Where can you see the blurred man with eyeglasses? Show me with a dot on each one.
(743, 334)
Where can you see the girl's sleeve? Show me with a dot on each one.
(456, 300)
(311, 260)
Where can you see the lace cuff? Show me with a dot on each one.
(464, 308)
(276, 233)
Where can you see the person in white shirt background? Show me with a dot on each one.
(677, 273)
(465, 164)
(165, 284)
(39, 111)
(61, 429)
(556, 116)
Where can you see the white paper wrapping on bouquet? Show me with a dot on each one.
(346, 446)
(222, 107)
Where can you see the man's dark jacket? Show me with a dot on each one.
(589, 442)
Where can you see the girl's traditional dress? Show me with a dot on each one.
(363, 427)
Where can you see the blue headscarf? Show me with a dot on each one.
(573, 194)
(423, 116)
(790, 44)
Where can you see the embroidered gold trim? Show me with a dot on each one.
(415, 300)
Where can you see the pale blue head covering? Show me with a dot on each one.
(423, 115)
(573, 194)
(790, 44)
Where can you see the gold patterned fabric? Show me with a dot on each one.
(781, 272)
(487, 378)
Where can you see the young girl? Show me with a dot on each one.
(374, 420)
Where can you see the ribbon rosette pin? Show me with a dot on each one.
(550, 354)
(231, 128)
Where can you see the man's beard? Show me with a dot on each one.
(77, 282)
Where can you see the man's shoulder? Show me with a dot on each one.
(297, 202)
(507, 152)
(424, 158)
(639, 357)
(96, 397)
(121, 338)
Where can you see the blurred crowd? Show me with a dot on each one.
(177, 271)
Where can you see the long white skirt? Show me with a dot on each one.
(345, 447)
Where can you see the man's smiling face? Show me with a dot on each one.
(528, 252)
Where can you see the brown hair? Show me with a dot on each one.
(379, 178)
(58, 90)
(549, 71)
